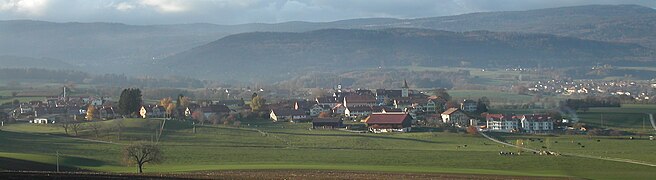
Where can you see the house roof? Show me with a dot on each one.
(388, 93)
(392, 110)
(500, 116)
(360, 109)
(360, 99)
(326, 120)
(387, 118)
(288, 112)
(326, 99)
(536, 117)
(450, 111)
(411, 100)
(364, 92)
(215, 109)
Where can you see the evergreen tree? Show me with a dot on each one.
(130, 101)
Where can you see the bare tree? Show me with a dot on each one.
(96, 127)
(66, 124)
(141, 153)
(75, 126)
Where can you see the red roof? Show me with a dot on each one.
(387, 118)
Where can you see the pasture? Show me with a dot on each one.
(629, 117)
(638, 149)
(266, 145)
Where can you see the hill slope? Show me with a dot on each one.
(111, 47)
(270, 53)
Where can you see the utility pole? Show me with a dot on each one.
(57, 161)
(602, 120)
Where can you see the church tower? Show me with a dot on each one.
(405, 89)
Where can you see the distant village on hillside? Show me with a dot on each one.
(357, 110)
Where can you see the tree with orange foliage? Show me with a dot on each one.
(472, 130)
(90, 111)
(199, 116)
(169, 110)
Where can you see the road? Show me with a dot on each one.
(576, 155)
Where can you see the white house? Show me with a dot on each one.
(41, 121)
(456, 117)
(316, 109)
(502, 123)
(290, 115)
(469, 105)
(536, 123)
(358, 111)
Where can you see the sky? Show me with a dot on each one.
(143, 12)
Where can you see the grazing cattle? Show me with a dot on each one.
(544, 147)
(582, 146)
(598, 140)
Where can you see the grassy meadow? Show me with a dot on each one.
(266, 145)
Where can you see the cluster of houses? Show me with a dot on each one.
(383, 110)
(64, 105)
(398, 110)
(206, 109)
(637, 90)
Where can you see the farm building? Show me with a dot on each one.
(41, 121)
(389, 122)
(455, 116)
(290, 115)
(329, 123)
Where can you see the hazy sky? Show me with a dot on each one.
(266, 11)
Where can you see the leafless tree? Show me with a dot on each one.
(75, 126)
(141, 153)
(95, 127)
(66, 124)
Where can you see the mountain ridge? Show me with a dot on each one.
(335, 49)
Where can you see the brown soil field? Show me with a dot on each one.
(259, 174)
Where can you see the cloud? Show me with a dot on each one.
(124, 6)
(167, 6)
(30, 7)
(264, 11)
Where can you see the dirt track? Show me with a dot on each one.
(257, 174)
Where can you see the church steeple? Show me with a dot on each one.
(405, 90)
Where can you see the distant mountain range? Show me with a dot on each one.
(266, 53)
(120, 48)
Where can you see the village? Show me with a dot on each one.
(355, 110)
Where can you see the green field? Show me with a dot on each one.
(638, 149)
(495, 97)
(629, 117)
(294, 146)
